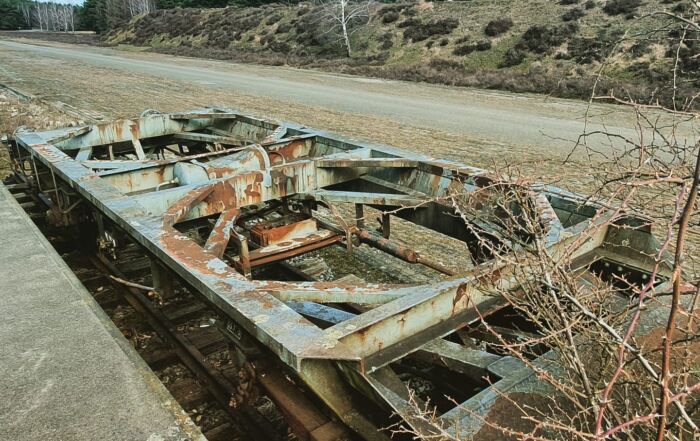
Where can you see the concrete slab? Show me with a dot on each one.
(67, 372)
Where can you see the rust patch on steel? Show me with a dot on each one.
(283, 229)
(460, 294)
(134, 129)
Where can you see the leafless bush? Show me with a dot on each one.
(623, 349)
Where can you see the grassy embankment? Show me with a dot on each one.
(539, 46)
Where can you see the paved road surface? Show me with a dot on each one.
(512, 119)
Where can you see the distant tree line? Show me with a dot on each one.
(46, 16)
(12, 15)
(170, 4)
(95, 15)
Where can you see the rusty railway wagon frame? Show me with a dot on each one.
(152, 174)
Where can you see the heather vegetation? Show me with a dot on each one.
(540, 46)
(104, 15)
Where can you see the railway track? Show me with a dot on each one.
(184, 341)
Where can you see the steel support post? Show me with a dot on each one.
(360, 216)
(162, 279)
(386, 225)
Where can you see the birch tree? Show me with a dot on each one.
(53, 16)
(138, 7)
(26, 9)
(115, 13)
(345, 16)
(41, 16)
(66, 16)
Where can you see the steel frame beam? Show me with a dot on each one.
(406, 319)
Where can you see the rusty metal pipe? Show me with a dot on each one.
(389, 246)
(401, 251)
(392, 247)
(436, 266)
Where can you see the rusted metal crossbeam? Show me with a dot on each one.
(293, 247)
(203, 115)
(370, 162)
(221, 233)
(366, 198)
(203, 137)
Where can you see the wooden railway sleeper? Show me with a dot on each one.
(219, 386)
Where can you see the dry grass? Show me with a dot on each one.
(74, 83)
(15, 113)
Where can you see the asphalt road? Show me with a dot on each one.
(512, 119)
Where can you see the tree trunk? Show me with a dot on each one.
(344, 22)
(347, 39)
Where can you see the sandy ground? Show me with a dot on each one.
(121, 92)
(519, 134)
(484, 128)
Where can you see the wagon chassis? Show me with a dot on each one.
(150, 175)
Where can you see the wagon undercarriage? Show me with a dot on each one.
(313, 247)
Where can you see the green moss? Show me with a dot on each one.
(130, 48)
(489, 59)
(414, 54)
